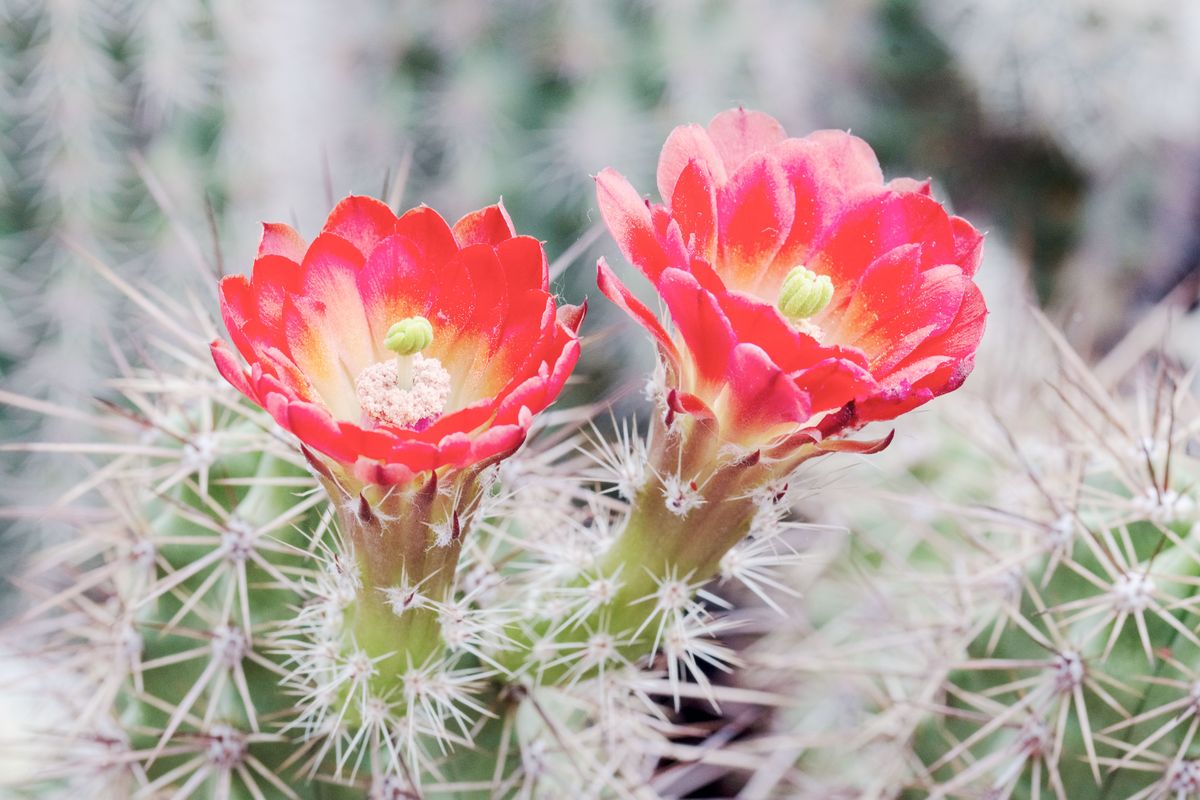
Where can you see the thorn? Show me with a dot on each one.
(316, 463)
(429, 491)
(366, 515)
(747, 461)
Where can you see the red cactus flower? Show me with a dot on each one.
(804, 291)
(397, 346)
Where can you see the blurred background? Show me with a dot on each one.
(154, 135)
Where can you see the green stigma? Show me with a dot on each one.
(409, 336)
(804, 293)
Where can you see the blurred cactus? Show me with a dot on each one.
(1025, 625)
(85, 85)
(1078, 624)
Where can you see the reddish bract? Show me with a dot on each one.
(744, 205)
(311, 318)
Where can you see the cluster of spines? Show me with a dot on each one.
(1025, 627)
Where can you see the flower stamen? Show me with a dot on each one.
(384, 402)
(406, 338)
(804, 294)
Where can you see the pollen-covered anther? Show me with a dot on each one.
(385, 403)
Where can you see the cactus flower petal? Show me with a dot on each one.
(312, 318)
(887, 318)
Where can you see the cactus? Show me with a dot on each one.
(378, 581)
(1077, 676)
(1026, 626)
(193, 632)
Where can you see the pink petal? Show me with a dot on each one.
(416, 456)
(757, 323)
(876, 224)
(756, 209)
(961, 337)
(897, 306)
(374, 473)
(700, 322)
(846, 163)
(761, 396)
(911, 185)
(529, 321)
(938, 365)
(612, 288)
(361, 221)
(687, 143)
(968, 245)
(279, 239)
(524, 264)
(281, 373)
(238, 308)
(430, 233)
(312, 343)
(824, 169)
(629, 222)
(331, 270)
(230, 369)
(459, 311)
(490, 225)
(539, 391)
(496, 443)
(834, 382)
(394, 284)
(453, 449)
(314, 426)
(739, 134)
(694, 207)
(570, 316)
(687, 403)
(274, 277)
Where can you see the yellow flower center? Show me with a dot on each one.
(409, 336)
(406, 338)
(804, 294)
